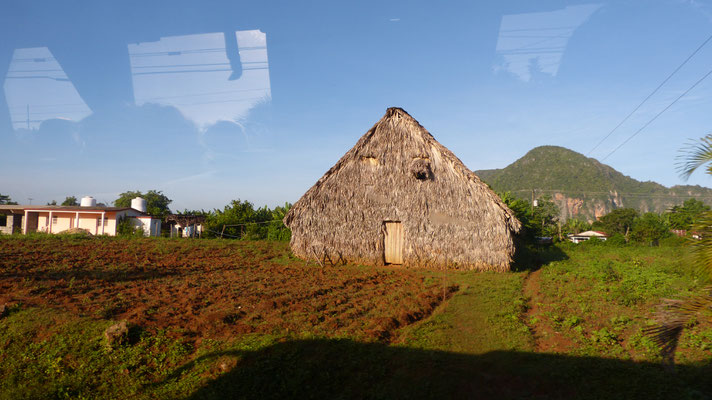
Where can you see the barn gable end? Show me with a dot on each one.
(398, 176)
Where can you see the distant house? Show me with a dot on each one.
(185, 225)
(584, 236)
(97, 220)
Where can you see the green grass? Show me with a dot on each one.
(602, 297)
(485, 315)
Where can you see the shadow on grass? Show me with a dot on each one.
(529, 257)
(344, 369)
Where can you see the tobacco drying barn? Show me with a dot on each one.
(400, 197)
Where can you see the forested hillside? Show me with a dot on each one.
(582, 187)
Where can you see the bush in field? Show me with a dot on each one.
(672, 240)
(616, 240)
(124, 227)
(594, 241)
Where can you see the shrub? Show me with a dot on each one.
(594, 241)
(672, 241)
(124, 227)
(616, 240)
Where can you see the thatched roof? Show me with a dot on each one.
(398, 172)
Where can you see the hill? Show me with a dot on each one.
(584, 188)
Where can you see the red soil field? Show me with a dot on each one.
(201, 289)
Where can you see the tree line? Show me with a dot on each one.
(623, 225)
(239, 219)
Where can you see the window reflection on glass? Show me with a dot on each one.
(534, 43)
(37, 89)
(209, 77)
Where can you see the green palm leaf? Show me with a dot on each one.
(673, 316)
(695, 155)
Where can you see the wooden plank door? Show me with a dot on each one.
(393, 243)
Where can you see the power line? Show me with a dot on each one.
(658, 114)
(192, 51)
(194, 70)
(650, 95)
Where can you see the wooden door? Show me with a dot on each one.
(393, 243)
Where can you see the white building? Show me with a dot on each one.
(584, 236)
(97, 220)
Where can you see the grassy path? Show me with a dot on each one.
(483, 316)
(545, 338)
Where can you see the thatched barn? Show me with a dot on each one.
(400, 197)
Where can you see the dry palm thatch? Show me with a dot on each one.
(674, 315)
(398, 172)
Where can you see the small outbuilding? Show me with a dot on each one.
(185, 225)
(400, 197)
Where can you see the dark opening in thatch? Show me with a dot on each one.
(447, 217)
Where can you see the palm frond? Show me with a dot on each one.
(672, 317)
(702, 247)
(694, 155)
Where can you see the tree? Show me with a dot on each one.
(617, 221)
(546, 216)
(276, 229)
(156, 202)
(70, 201)
(575, 226)
(240, 220)
(522, 210)
(675, 315)
(682, 217)
(52, 203)
(649, 228)
(5, 199)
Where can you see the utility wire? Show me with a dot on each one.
(658, 114)
(650, 95)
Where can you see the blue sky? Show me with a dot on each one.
(256, 100)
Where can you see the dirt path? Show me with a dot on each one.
(546, 338)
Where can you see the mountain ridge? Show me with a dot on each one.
(583, 187)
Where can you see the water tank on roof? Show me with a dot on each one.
(88, 201)
(139, 204)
